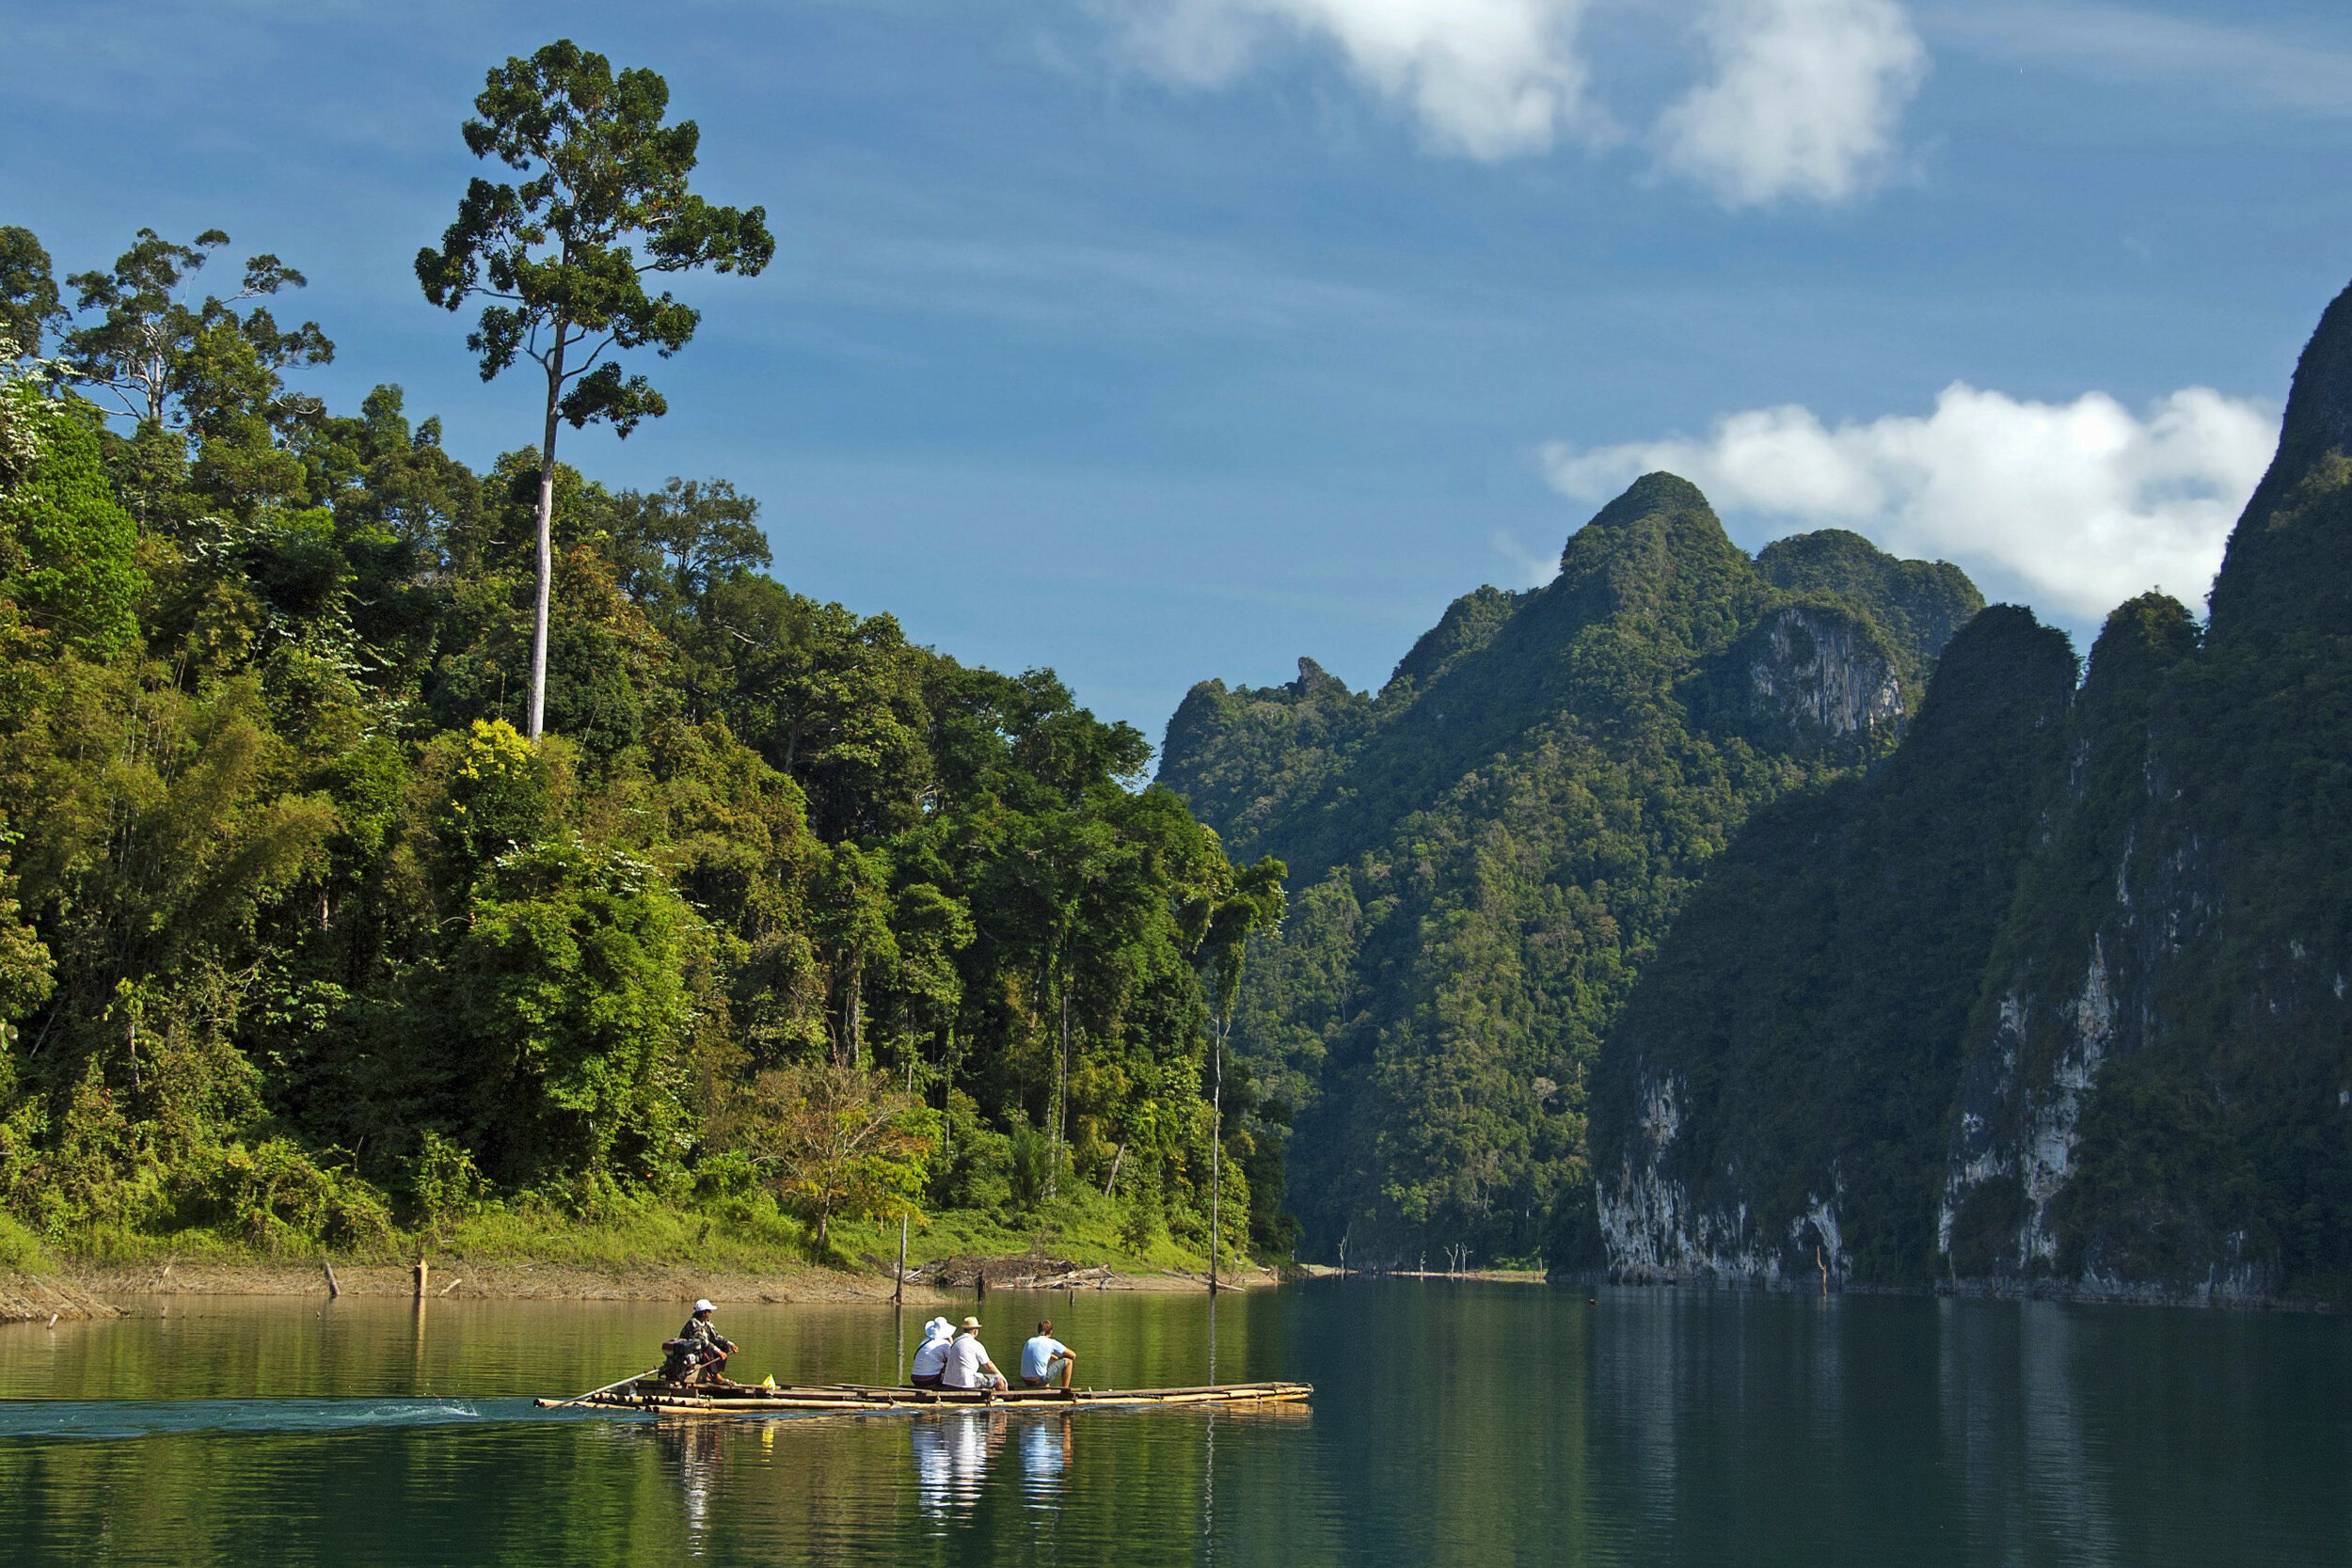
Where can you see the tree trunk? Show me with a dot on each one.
(546, 540)
(1216, 1147)
(1061, 1096)
(947, 1103)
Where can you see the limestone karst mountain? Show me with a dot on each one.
(2056, 999)
(1486, 851)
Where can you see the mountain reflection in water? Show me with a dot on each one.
(1468, 1425)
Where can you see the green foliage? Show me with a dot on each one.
(2057, 996)
(562, 256)
(1029, 1168)
(1490, 849)
(567, 998)
(836, 1143)
(1807, 1005)
(69, 552)
(29, 302)
(303, 941)
(444, 1185)
(559, 253)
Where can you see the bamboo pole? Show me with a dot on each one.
(581, 1398)
(899, 1284)
(422, 1270)
(333, 1290)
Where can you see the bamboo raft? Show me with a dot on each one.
(647, 1396)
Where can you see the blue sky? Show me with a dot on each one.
(1158, 339)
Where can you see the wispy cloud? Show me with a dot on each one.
(1485, 78)
(2126, 44)
(1528, 566)
(2079, 505)
(1799, 100)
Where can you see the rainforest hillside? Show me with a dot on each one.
(790, 918)
(1485, 852)
(2055, 999)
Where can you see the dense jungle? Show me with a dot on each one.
(789, 922)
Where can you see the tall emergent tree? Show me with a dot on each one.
(1253, 907)
(563, 256)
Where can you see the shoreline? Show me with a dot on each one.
(82, 1291)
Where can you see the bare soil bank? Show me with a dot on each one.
(946, 1281)
(26, 1298)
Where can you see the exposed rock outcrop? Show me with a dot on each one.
(2096, 1044)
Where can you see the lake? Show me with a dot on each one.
(1451, 1423)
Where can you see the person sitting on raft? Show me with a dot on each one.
(698, 1352)
(968, 1366)
(1043, 1355)
(930, 1361)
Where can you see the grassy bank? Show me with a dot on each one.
(623, 1244)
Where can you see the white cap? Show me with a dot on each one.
(705, 1307)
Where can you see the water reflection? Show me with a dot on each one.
(1466, 1426)
(2016, 1434)
(1046, 1443)
(951, 1458)
(697, 1451)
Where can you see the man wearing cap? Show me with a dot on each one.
(699, 1351)
(968, 1366)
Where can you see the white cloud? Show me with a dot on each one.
(2079, 505)
(1805, 99)
(1485, 78)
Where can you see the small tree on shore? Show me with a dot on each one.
(562, 256)
(837, 1143)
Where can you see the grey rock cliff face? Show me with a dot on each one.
(2137, 1083)
(1822, 674)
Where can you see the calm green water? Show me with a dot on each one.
(1451, 1424)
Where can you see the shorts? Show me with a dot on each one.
(931, 1380)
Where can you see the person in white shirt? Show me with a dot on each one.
(931, 1358)
(968, 1366)
(1043, 1355)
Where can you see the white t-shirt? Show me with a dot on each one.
(931, 1357)
(1039, 1353)
(964, 1357)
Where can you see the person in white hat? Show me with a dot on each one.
(930, 1361)
(699, 1352)
(968, 1366)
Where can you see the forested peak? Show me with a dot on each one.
(2319, 403)
(2001, 660)
(1657, 512)
(2143, 637)
(1917, 603)
(1468, 624)
(1238, 753)
(1656, 564)
(1315, 681)
(2289, 564)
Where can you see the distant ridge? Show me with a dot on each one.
(1485, 850)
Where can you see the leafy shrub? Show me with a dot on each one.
(443, 1183)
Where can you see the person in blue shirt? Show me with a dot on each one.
(1043, 1355)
